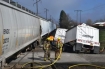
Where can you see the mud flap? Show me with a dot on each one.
(78, 47)
(96, 49)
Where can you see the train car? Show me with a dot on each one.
(18, 29)
(47, 27)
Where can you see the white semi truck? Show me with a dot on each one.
(83, 38)
(60, 32)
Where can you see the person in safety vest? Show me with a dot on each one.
(59, 45)
(47, 48)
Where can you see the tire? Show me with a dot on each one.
(91, 51)
(74, 49)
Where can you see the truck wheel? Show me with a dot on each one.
(74, 49)
(91, 51)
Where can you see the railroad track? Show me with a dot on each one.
(19, 61)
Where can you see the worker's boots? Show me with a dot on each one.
(45, 59)
(49, 58)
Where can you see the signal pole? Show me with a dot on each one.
(46, 10)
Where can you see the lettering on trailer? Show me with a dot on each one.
(6, 40)
(4, 48)
(61, 35)
(87, 41)
(88, 36)
(6, 31)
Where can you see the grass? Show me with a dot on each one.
(102, 38)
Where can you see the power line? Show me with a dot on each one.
(94, 8)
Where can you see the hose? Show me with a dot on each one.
(102, 50)
(35, 62)
(44, 66)
(86, 65)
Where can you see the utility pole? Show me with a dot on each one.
(77, 15)
(40, 34)
(50, 18)
(46, 10)
(80, 15)
(37, 5)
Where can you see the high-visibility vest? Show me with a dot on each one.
(59, 45)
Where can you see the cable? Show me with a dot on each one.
(86, 65)
(94, 8)
(44, 66)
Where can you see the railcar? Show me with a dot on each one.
(19, 27)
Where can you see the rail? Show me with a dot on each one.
(19, 60)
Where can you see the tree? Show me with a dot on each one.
(63, 21)
(96, 21)
(100, 20)
(89, 22)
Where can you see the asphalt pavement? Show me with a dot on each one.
(65, 58)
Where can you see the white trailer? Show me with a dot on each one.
(82, 38)
(60, 32)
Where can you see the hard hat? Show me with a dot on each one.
(51, 38)
(48, 38)
(59, 38)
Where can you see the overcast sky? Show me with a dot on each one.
(91, 9)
